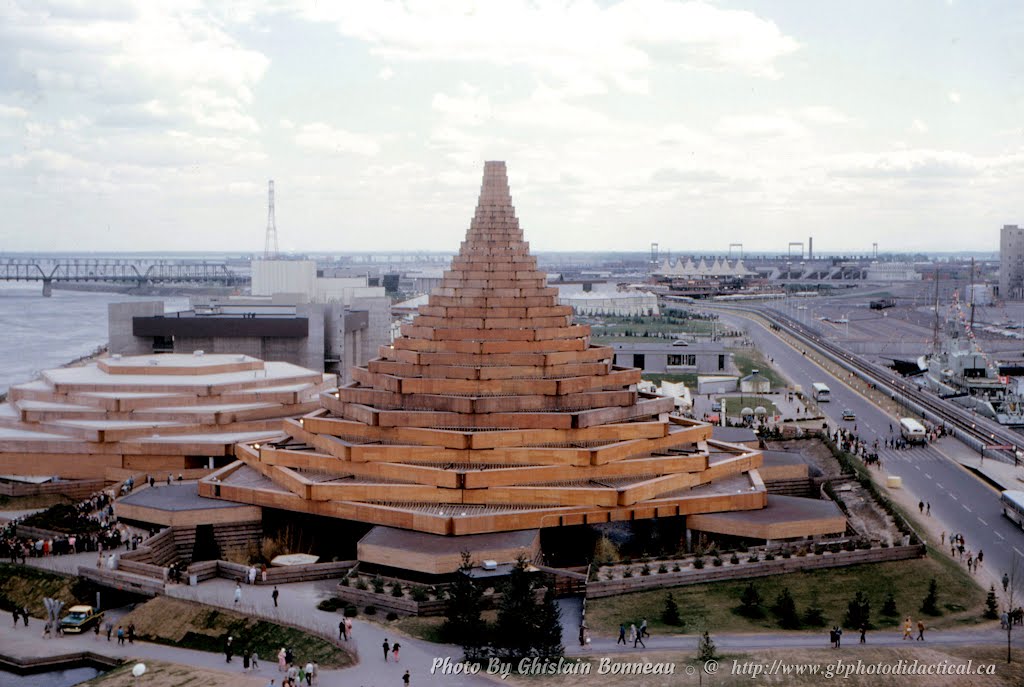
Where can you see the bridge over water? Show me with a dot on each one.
(139, 271)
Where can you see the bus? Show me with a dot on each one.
(1013, 506)
(821, 392)
(913, 431)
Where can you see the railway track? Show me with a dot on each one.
(973, 429)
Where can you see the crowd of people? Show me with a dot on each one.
(99, 531)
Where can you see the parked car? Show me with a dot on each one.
(80, 619)
(849, 415)
(716, 407)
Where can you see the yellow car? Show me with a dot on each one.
(80, 619)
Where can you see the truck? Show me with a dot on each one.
(882, 303)
(79, 619)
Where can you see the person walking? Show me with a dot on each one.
(120, 635)
(110, 629)
(920, 630)
(342, 632)
(281, 665)
(274, 595)
(405, 679)
(977, 561)
(131, 633)
(1006, 581)
(348, 628)
(839, 636)
(643, 628)
(943, 542)
(863, 634)
(238, 592)
(387, 649)
(309, 673)
(245, 660)
(229, 650)
(920, 506)
(96, 631)
(622, 634)
(637, 638)
(394, 651)
(928, 509)
(17, 617)
(908, 628)
(255, 661)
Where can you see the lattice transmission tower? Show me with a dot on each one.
(270, 244)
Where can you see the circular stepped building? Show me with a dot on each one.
(492, 413)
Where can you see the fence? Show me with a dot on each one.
(744, 570)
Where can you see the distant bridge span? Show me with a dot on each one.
(117, 270)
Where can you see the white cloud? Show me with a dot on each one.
(385, 73)
(760, 126)
(583, 46)
(323, 137)
(954, 97)
(823, 114)
(905, 164)
(286, 124)
(918, 127)
(11, 112)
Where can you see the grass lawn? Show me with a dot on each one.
(26, 586)
(712, 605)
(163, 674)
(735, 404)
(749, 359)
(690, 380)
(429, 629)
(195, 626)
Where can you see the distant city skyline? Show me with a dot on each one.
(155, 126)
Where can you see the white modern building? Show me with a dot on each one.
(601, 302)
(891, 271)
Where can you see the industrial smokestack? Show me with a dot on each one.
(810, 247)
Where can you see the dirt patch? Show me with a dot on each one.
(23, 586)
(161, 674)
(864, 515)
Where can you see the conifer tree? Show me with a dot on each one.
(670, 614)
(463, 623)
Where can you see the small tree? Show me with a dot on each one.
(785, 610)
(814, 616)
(991, 604)
(670, 613)
(858, 611)
(930, 605)
(889, 607)
(706, 650)
(605, 551)
(751, 603)
(548, 640)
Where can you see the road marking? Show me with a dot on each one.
(1019, 552)
(939, 485)
(997, 534)
(917, 467)
(983, 523)
(953, 496)
(966, 508)
(927, 475)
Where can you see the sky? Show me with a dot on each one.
(136, 126)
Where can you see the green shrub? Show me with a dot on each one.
(717, 562)
(392, 615)
(417, 593)
(662, 569)
(370, 610)
(351, 611)
(378, 585)
(331, 605)
(698, 563)
(734, 559)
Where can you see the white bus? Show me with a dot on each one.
(1013, 506)
(913, 431)
(822, 393)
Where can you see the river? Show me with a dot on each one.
(39, 333)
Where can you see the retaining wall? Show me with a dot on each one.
(744, 570)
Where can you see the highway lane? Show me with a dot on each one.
(960, 501)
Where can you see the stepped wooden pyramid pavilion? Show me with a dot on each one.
(492, 413)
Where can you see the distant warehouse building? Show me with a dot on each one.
(891, 271)
(654, 357)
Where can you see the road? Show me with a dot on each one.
(959, 500)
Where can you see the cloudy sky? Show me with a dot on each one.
(156, 125)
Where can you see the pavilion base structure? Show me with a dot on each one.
(433, 554)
